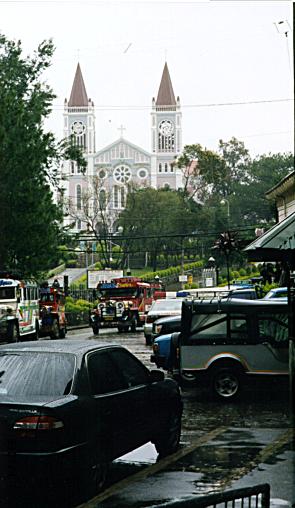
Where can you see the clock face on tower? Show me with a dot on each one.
(166, 127)
(78, 128)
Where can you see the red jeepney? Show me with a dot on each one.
(52, 312)
(124, 302)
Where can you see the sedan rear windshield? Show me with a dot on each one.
(26, 374)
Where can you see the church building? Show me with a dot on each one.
(114, 167)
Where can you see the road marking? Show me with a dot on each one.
(155, 468)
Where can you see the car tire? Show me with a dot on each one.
(133, 325)
(62, 333)
(12, 332)
(226, 382)
(187, 379)
(55, 330)
(148, 340)
(168, 442)
(95, 329)
(93, 478)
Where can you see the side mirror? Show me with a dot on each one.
(157, 376)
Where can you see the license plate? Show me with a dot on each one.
(108, 318)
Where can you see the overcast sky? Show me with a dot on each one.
(217, 53)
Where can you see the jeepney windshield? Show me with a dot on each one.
(7, 293)
(124, 292)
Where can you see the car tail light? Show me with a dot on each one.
(158, 328)
(149, 319)
(177, 353)
(38, 423)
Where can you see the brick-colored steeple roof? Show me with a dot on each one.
(78, 96)
(166, 95)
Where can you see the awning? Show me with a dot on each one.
(277, 244)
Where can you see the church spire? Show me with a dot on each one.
(166, 95)
(78, 96)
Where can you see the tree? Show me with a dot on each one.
(29, 161)
(155, 222)
(203, 171)
(98, 219)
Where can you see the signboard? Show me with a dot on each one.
(209, 282)
(182, 278)
(96, 276)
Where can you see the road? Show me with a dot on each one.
(223, 446)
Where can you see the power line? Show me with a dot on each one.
(58, 107)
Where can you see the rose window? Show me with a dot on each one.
(122, 174)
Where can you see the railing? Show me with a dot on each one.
(249, 497)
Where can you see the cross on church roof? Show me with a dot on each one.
(121, 128)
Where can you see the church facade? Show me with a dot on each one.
(112, 169)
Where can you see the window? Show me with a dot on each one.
(206, 325)
(36, 374)
(72, 167)
(122, 174)
(238, 329)
(102, 199)
(166, 167)
(274, 329)
(133, 372)
(160, 168)
(116, 197)
(103, 375)
(79, 197)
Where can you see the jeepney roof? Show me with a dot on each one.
(9, 283)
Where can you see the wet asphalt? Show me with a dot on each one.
(224, 446)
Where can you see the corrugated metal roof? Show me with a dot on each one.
(78, 96)
(277, 243)
(166, 95)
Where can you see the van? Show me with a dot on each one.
(224, 342)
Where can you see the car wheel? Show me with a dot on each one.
(94, 477)
(148, 340)
(55, 330)
(133, 325)
(62, 333)
(168, 442)
(12, 332)
(95, 329)
(226, 382)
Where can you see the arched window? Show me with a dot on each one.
(79, 197)
(122, 197)
(102, 199)
(116, 196)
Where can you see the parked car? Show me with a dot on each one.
(277, 293)
(68, 408)
(160, 308)
(223, 343)
(166, 325)
(164, 349)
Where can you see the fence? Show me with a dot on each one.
(249, 497)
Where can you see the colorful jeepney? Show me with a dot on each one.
(19, 310)
(124, 303)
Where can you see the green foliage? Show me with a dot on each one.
(76, 306)
(173, 270)
(29, 161)
(160, 215)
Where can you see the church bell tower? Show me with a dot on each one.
(166, 135)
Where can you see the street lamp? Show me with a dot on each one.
(119, 231)
(225, 202)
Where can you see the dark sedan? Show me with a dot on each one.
(68, 408)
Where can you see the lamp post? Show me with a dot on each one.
(225, 202)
